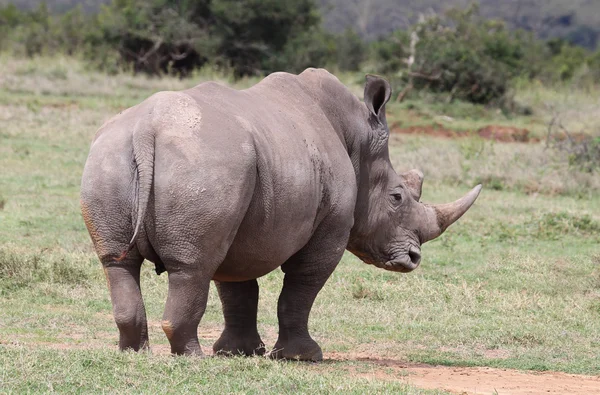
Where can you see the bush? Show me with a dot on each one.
(155, 37)
(350, 52)
(10, 19)
(388, 55)
(37, 32)
(564, 61)
(250, 37)
(460, 55)
(313, 48)
(261, 36)
(463, 56)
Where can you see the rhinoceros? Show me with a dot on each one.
(213, 183)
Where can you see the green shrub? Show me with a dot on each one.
(585, 154)
(555, 225)
(10, 19)
(262, 36)
(249, 37)
(38, 32)
(154, 37)
(19, 269)
(462, 56)
(388, 55)
(313, 48)
(350, 52)
(467, 57)
(565, 61)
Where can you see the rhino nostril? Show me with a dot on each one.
(415, 255)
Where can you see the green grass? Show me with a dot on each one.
(514, 284)
(92, 371)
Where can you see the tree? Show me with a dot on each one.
(253, 34)
(459, 55)
(350, 51)
(156, 36)
(248, 36)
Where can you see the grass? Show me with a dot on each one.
(528, 168)
(101, 371)
(514, 284)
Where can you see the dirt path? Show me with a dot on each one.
(459, 380)
(478, 380)
(500, 381)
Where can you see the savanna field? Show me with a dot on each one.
(514, 284)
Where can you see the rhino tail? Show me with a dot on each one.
(143, 156)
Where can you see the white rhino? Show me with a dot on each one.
(213, 183)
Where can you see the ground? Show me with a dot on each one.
(506, 301)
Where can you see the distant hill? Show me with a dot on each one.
(57, 6)
(577, 20)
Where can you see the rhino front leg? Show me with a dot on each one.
(305, 275)
(123, 279)
(294, 341)
(240, 304)
(186, 302)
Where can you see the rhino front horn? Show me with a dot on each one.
(446, 214)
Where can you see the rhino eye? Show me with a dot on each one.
(397, 197)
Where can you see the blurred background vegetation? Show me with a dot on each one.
(444, 51)
(470, 49)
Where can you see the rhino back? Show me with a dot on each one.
(303, 172)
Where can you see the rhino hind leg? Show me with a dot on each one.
(240, 305)
(123, 279)
(186, 303)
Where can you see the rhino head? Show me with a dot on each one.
(390, 222)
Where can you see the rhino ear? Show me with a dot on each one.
(377, 93)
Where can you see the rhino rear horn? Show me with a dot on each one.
(414, 181)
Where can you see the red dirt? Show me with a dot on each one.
(506, 134)
(477, 380)
(498, 133)
(435, 130)
(503, 134)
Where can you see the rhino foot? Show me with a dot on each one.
(299, 350)
(232, 344)
(192, 349)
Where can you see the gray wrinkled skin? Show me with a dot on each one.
(217, 184)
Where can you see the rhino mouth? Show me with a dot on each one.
(404, 263)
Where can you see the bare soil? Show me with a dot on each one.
(506, 134)
(475, 380)
(503, 134)
(498, 133)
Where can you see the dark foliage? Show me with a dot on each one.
(459, 54)
(464, 56)
(249, 37)
(254, 35)
(155, 37)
